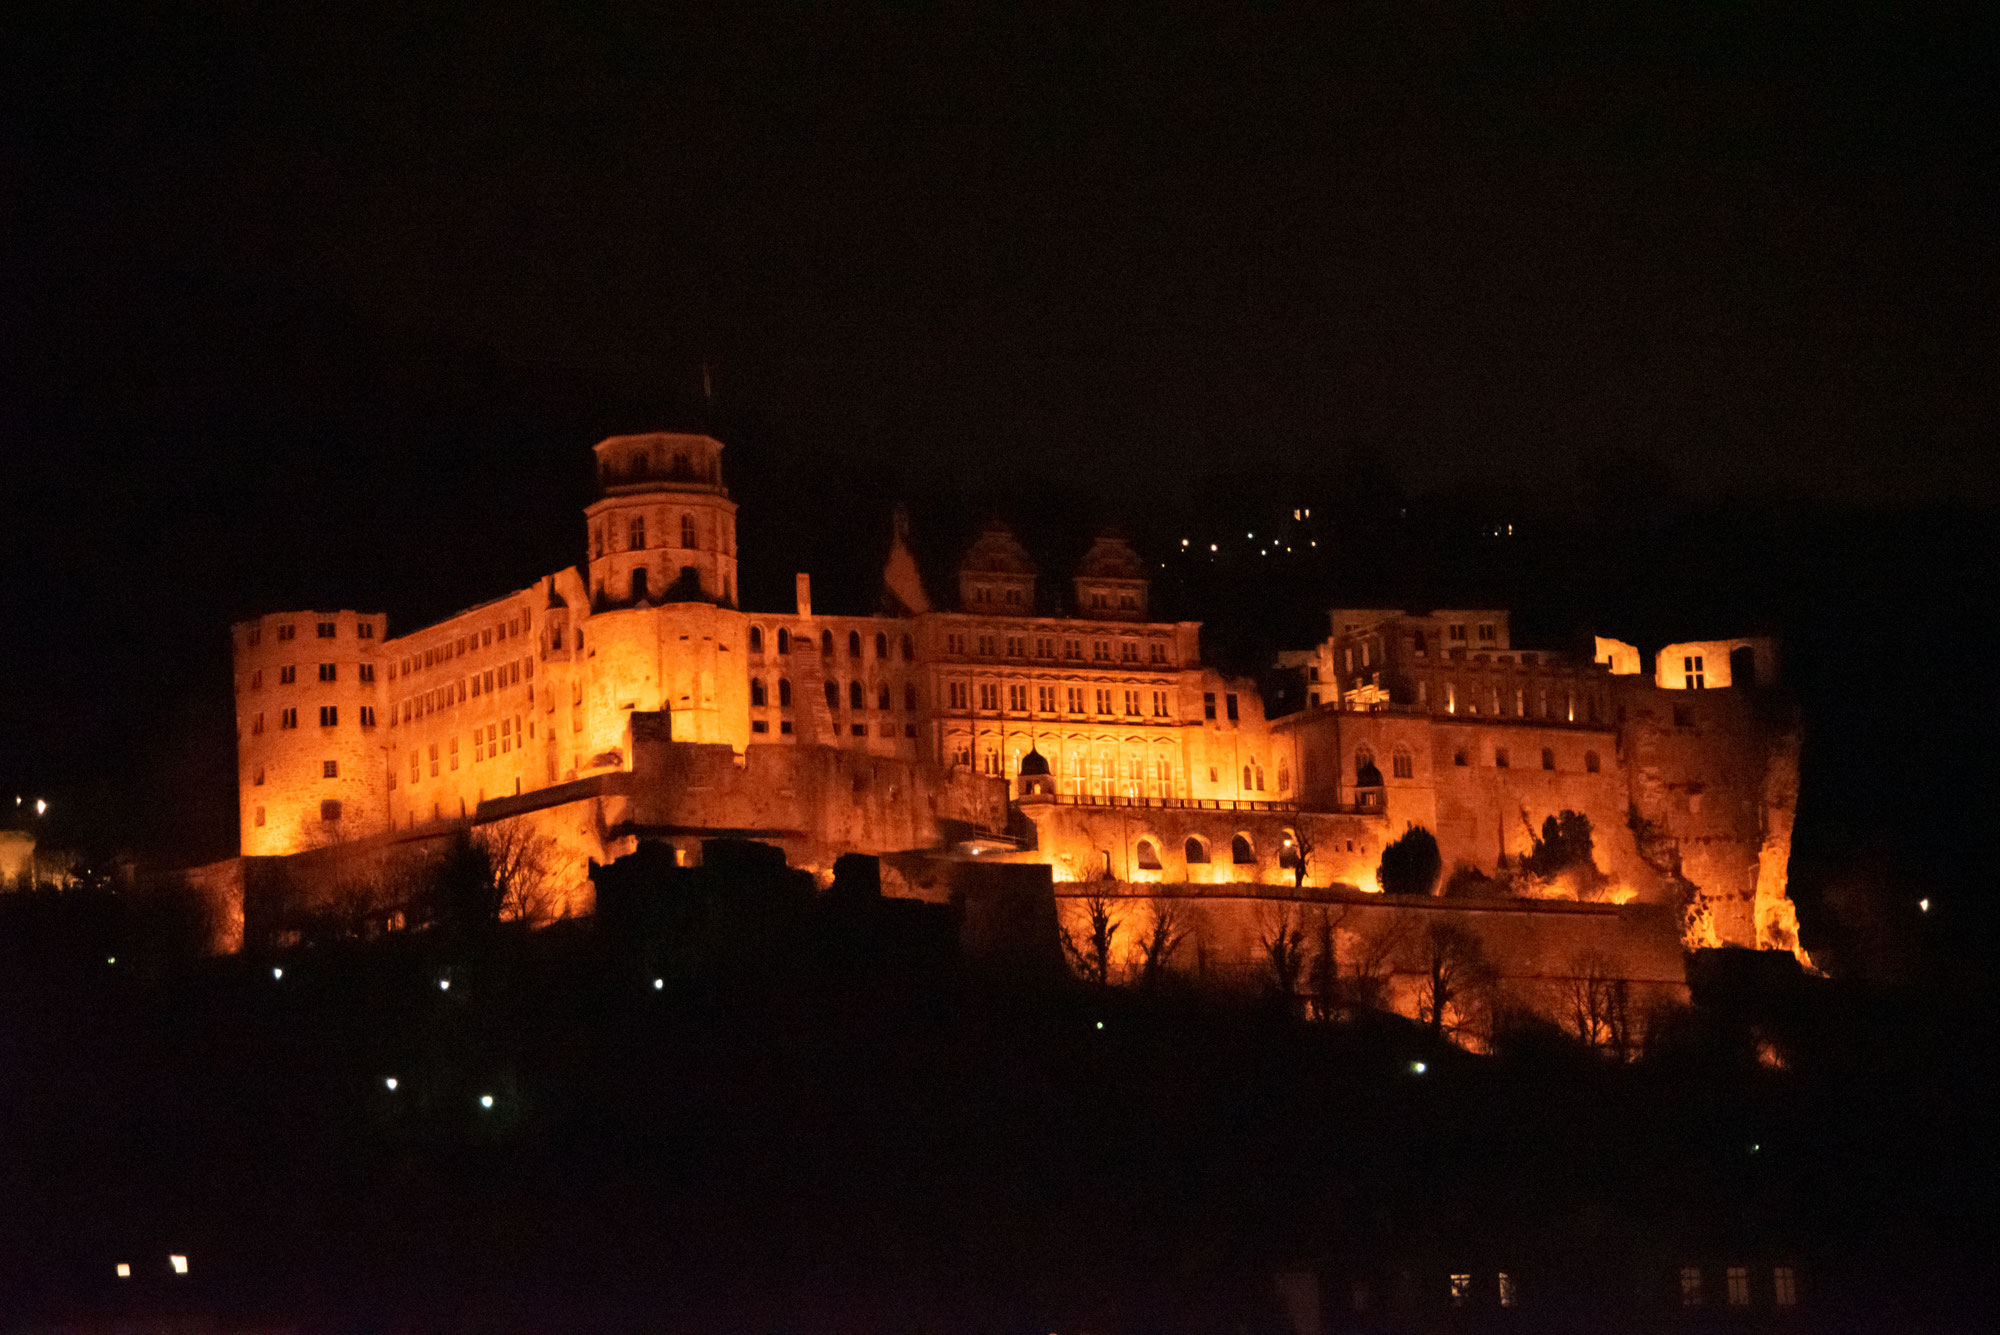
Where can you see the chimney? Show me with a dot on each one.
(805, 596)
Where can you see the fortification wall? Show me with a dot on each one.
(1083, 842)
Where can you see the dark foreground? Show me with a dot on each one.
(822, 1119)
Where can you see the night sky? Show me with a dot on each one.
(326, 309)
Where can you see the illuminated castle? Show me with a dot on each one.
(635, 700)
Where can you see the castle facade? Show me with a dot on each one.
(636, 699)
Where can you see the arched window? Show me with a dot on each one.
(1148, 855)
(1240, 851)
(833, 695)
(1548, 757)
(826, 644)
(756, 639)
(1284, 777)
(1366, 775)
(882, 696)
(1248, 782)
(784, 640)
(757, 696)
(909, 649)
(1590, 763)
(639, 585)
(855, 698)
(687, 531)
(854, 644)
(1195, 851)
(1401, 765)
(1260, 778)
(881, 644)
(909, 695)
(784, 692)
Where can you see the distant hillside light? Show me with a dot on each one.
(486, 1100)
(41, 807)
(277, 972)
(1418, 1068)
(179, 1263)
(390, 1082)
(1923, 906)
(444, 984)
(659, 983)
(124, 1270)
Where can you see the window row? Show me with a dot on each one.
(1502, 759)
(460, 689)
(498, 633)
(330, 672)
(1024, 698)
(326, 630)
(329, 717)
(496, 739)
(991, 644)
(1498, 701)
(604, 536)
(1736, 1286)
(788, 641)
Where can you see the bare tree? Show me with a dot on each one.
(521, 862)
(1454, 977)
(1298, 854)
(1284, 941)
(1090, 951)
(1167, 927)
(1595, 1004)
(1372, 963)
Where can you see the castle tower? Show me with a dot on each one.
(664, 528)
(1111, 582)
(311, 765)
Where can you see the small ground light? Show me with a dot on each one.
(179, 1263)
(486, 1100)
(1418, 1068)
(444, 984)
(110, 959)
(390, 1083)
(1923, 906)
(124, 1270)
(1100, 1024)
(659, 983)
(277, 973)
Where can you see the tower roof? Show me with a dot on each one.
(1111, 556)
(996, 551)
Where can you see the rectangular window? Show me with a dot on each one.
(1208, 705)
(1017, 699)
(954, 643)
(257, 725)
(1045, 648)
(635, 535)
(1159, 704)
(1229, 705)
(1076, 699)
(506, 736)
(1128, 652)
(1016, 646)
(957, 693)
(416, 767)
(434, 759)
(329, 769)
(1101, 651)
(1131, 702)
(257, 680)
(1785, 1286)
(454, 753)
(1461, 1289)
(287, 675)
(1500, 757)
(286, 632)
(986, 646)
(1457, 632)
(858, 729)
(989, 695)
(1738, 1278)
(1104, 700)
(759, 725)
(329, 716)
(328, 672)
(1507, 1293)
(1072, 648)
(1690, 1286)
(288, 719)
(366, 671)
(260, 816)
(1692, 670)
(1156, 653)
(1045, 699)
(364, 631)
(1486, 635)
(327, 630)
(1402, 766)
(256, 636)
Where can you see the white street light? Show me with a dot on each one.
(391, 1083)
(124, 1270)
(41, 807)
(444, 984)
(179, 1263)
(276, 972)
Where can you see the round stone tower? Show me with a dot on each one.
(311, 768)
(664, 528)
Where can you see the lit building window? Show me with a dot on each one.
(1738, 1279)
(1507, 1290)
(1692, 670)
(329, 769)
(1690, 1286)
(1785, 1286)
(1461, 1289)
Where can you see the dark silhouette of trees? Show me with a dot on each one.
(1166, 928)
(1090, 950)
(1411, 865)
(1456, 978)
(1283, 939)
